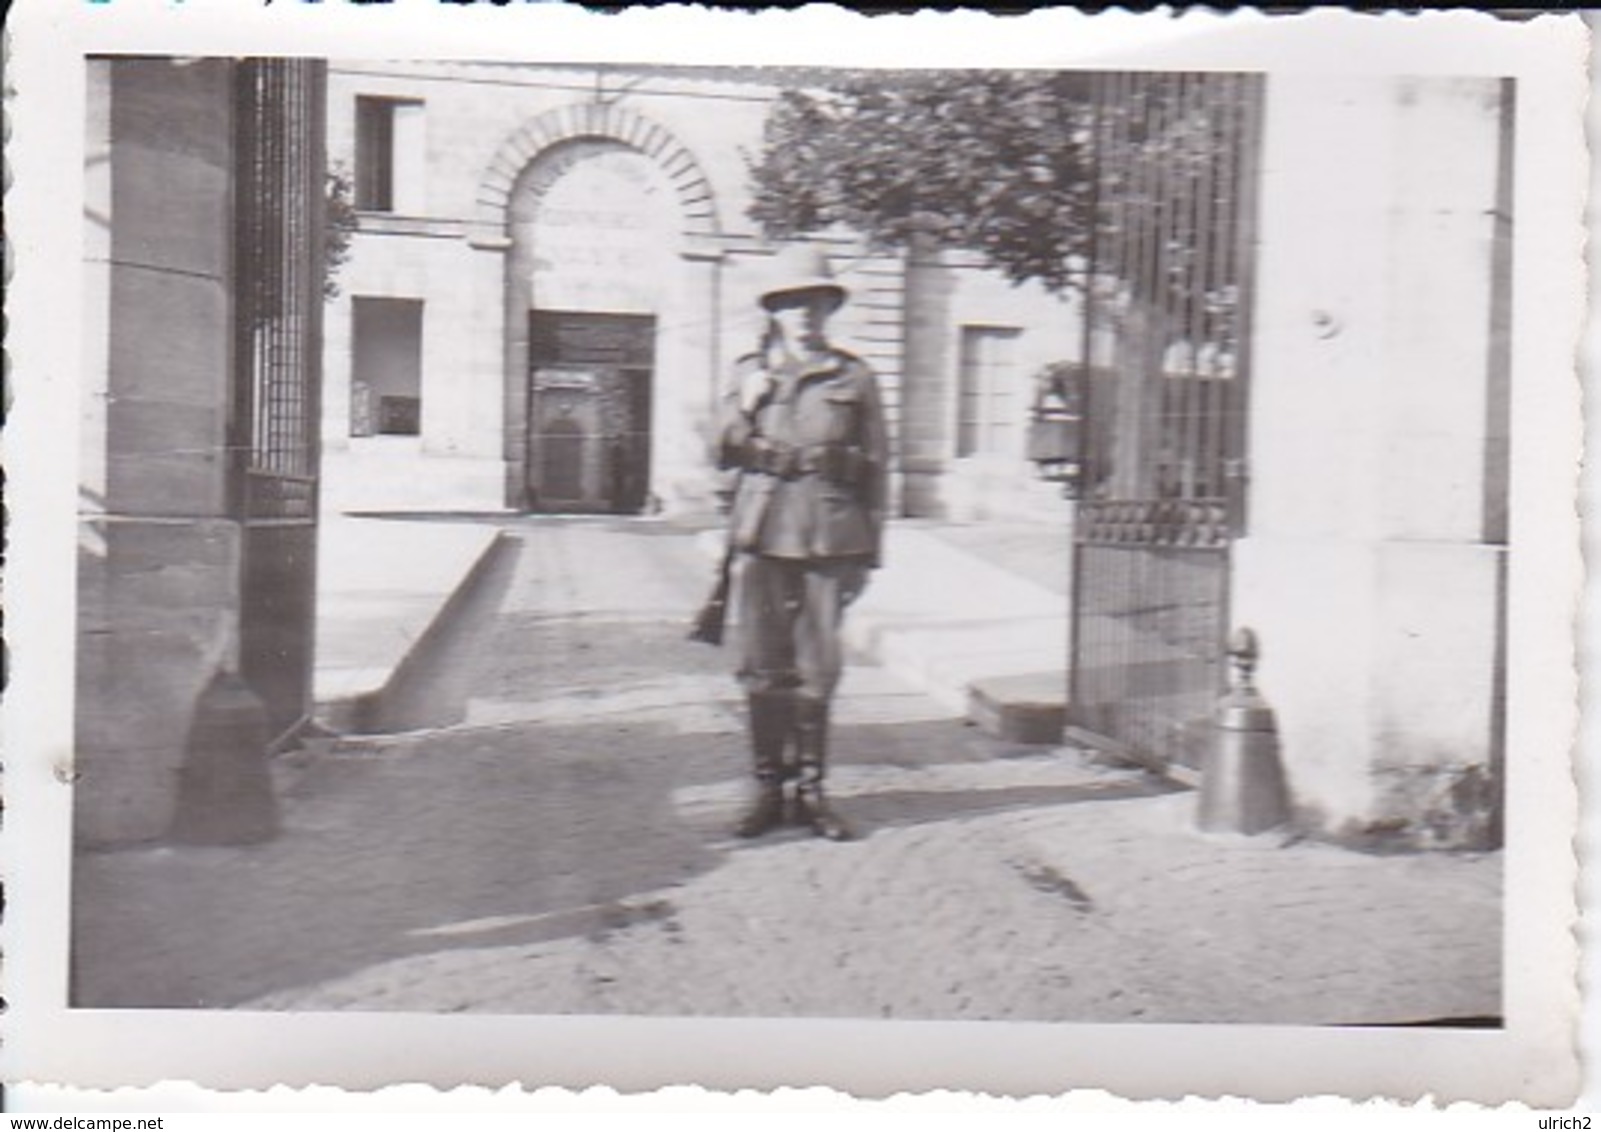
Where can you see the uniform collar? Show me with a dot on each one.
(827, 363)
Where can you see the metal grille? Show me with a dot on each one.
(278, 278)
(1165, 327)
(279, 212)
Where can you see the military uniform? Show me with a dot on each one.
(807, 522)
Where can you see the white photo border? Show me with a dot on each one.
(1533, 1059)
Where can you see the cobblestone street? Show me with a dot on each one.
(546, 832)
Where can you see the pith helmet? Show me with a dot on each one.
(799, 268)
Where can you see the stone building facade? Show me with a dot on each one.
(554, 269)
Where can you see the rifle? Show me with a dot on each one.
(708, 627)
(709, 622)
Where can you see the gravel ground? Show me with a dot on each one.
(550, 836)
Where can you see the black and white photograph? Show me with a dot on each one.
(1056, 552)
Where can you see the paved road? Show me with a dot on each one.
(549, 836)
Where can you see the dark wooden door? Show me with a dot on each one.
(590, 391)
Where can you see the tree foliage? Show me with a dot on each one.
(1024, 168)
(996, 162)
(339, 224)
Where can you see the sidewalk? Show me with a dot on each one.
(959, 611)
(956, 605)
(967, 614)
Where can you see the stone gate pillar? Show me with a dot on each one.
(1373, 566)
(926, 396)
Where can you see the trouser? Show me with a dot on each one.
(790, 613)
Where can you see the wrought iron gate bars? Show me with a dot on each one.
(279, 214)
(1167, 301)
(278, 272)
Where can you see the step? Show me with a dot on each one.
(1025, 708)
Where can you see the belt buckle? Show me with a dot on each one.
(825, 461)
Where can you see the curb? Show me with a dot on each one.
(1031, 708)
(360, 713)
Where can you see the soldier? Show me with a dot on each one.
(804, 424)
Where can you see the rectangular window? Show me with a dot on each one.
(386, 367)
(989, 404)
(390, 155)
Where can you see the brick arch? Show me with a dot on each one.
(589, 120)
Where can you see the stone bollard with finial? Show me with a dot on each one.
(1242, 779)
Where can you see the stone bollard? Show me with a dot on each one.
(225, 792)
(1242, 779)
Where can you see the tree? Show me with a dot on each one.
(996, 162)
(1041, 172)
(339, 223)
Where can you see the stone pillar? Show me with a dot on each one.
(501, 254)
(1368, 569)
(159, 558)
(927, 386)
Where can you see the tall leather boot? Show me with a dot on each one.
(811, 755)
(769, 733)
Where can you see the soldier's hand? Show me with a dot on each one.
(753, 388)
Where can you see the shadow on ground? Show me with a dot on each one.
(379, 852)
(452, 836)
(482, 836)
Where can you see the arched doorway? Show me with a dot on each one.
(600, 288)
(594, 259)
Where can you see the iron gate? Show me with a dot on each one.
(1168, 298)
(279, 208)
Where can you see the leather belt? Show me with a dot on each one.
(840, 463)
